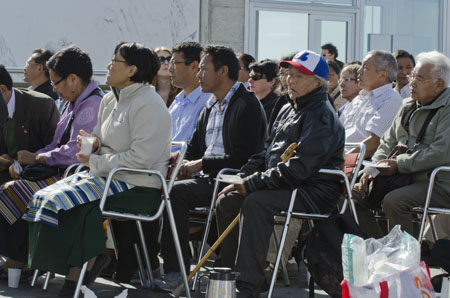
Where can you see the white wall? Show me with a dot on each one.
(95, 26)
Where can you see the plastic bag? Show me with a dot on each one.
(372, 260)
(412, 282)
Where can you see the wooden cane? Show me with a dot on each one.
(287, 154)
(179, 289)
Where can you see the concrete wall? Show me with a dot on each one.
(222, 22)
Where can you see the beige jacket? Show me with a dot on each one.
(434, 149)
(134, 132)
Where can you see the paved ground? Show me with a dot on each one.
(105, 288)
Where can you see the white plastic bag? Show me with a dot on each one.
(410, 283)
(372, 260)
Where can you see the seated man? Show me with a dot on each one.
(406, 64)
(36, 73)
(230, 129)
(370, 114)
(185, 109)
(429, 91)
(310, 121)
(31, 122)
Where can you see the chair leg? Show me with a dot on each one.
(145, 253)
(35, 275)
(173, 227)
(141, 271)
(110, 225)
(47, 279)
(433, 228)
(80, 280)
(283, 264)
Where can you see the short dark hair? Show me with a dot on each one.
(267, 67)
(141, 56)
(224, 56)
(191, 51)
(334, 66)
(331, 49)
(5, 77)
(404, 54)
(71, 60)
(247, 59)
(41, 56)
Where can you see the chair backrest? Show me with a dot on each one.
(353, 162)
(175, 163)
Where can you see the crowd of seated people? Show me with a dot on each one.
(233, 112)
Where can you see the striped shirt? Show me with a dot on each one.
(370, 112)
(213, 137)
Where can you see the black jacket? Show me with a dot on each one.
(47, 89)
(268, 103)
(320, 137)
(243, 131)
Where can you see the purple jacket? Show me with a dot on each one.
(85, 111)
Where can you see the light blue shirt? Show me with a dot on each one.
(185, 111)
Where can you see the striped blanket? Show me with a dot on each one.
(78, 189)
(15, 195)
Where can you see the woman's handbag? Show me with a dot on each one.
(380, 186)
(38, 172)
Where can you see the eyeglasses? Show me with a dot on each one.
(327, 54)
(114, 60)
(347, 80)
(172, 63)
(256, 76)
(56, 84)
(243, 67)
(418, 79)
(163, 59)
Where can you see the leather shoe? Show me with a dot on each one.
(68, 288)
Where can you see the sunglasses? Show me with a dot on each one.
(163, 59)
(327, 54)
(256, 76)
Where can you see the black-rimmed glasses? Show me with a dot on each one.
(56, 84)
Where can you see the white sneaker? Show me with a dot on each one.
(169, 282)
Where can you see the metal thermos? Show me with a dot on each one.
(222, 283)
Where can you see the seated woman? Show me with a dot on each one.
(71, 73)
(162, 81)
(133, 130)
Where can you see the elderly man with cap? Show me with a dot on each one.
(311, 123)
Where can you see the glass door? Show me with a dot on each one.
(337, 30)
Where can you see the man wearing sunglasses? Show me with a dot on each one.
(188, 104)
(330, 52)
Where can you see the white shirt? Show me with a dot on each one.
(370, 112)
(12, 104)
(405, 92)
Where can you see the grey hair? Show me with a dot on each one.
(440, 63)
(385, 61)
(322, 80)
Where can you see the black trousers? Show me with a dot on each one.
(127, 235)
(250, 243)
(14, 240)
(441, 253)
(186, 195)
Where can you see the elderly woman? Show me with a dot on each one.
(162, 81)
(133, 130)
(71, 73)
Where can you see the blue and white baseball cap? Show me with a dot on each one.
(310, 63)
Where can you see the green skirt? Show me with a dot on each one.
(80, 235)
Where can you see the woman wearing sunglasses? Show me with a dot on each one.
(162, 81)
(265, 83)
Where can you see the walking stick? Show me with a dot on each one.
(177, 291)
(287, 154)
